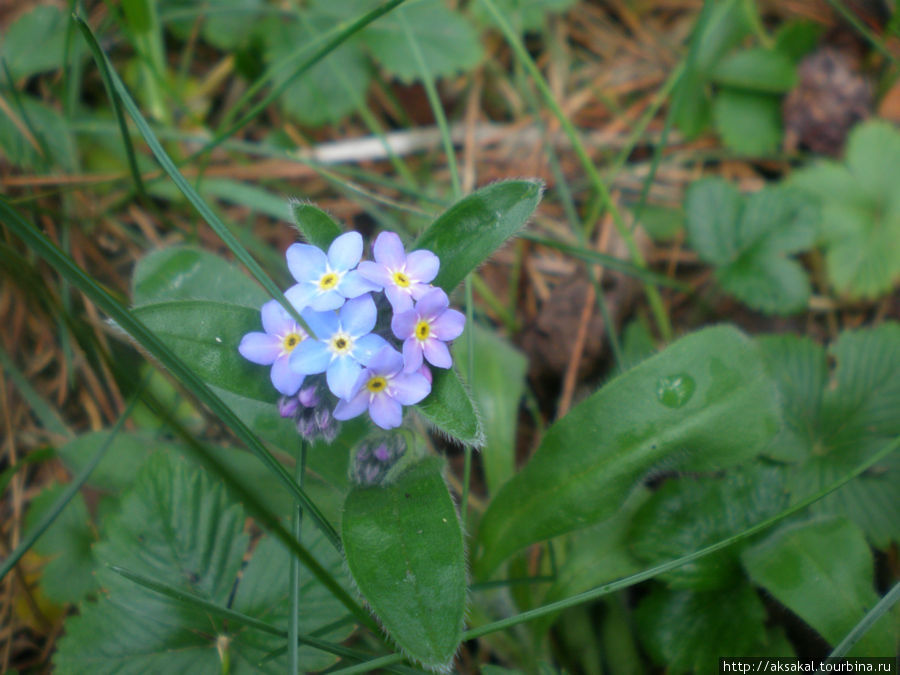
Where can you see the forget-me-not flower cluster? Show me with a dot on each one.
(336, 295)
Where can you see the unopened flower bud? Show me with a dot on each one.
(375, 457)
(288, 406)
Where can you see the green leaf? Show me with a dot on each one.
(316, 226)
(748, 122)
(35, 42)
(726, 26)
(797, 564)
(467, 233)
(69, 575)
(51, 132)
(328, 91)
(836, 422)
(450, 408)
(447, 41)
(177, 527)
(188, 273)
(688, 631)
(498, 385)
(232, 22)
(860, 221)
(687, 514)
(761, 70)
(704, 402)
(404, 548)
(525, 15)
(795, 39)
(205, 335)
(749, 241)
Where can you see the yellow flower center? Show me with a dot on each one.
(401, 279)
(376, 384)
(341, 343)
(423, 330)
(290, 341)
(328, 281)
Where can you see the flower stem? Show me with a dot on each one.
(296, 527)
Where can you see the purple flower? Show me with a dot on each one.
(345, 343)
(426, 328)
(275, 346)
(382, 389)
(324, 282)
(404, 277)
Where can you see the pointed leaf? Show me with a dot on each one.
(316, 226)
(704, 402)
(404, 548)
(467, 233)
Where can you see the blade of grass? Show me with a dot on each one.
(631, 580)
(48, 417)
(69, 493)
(521, 53)
(45, 248)
(882, 607)
(169, 167)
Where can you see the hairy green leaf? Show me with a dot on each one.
(316, 226)
(703, 403)
(467, 233)
(404, 548)
(450, 408)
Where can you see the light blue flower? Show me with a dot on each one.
(404, 277)
(383, 389)
(274, 347)
(426, 329)
(325, 281)
(344, 344)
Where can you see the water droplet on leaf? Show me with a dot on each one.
(673, 391)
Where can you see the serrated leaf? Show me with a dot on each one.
(316, 226)
(189, 273)
(231, 23)
(450, 408)
(49, 130)
(524, 15)
(467, 233)
(688, 631)
(749, 241)
(860, 221)
(757, 69)
(797, 564)
(499, 383)
(748, 122)
(686, 514)
(704, 402)
(404, 548)
(328, 91)
(447, 42)
(45, 25)
(68, 576)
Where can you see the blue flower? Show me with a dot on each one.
(426, 328)
(345, 343)
(275, 346)
(404, 277)
(383, 389)
(325, 281)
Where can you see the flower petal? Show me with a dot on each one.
(388, 250)
(403, 324)
(354, 284)
(385, 411)
(410, 388)
(342, 375)
(386, 362)
(299, 295)
(345, 251)
(366, 347)
(433, 302)
(325, 301)
(275, 319)
(358, 316)
(400, 299)
(310, 357)
(437, 354)
(305, 262)
(412, 355)
(422, 265)
(286, 381)
(260, 348)
(375, 272)
(323, 324)
(357, 405)
(449, 325)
